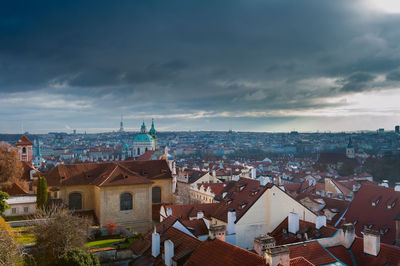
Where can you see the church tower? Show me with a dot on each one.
(24, 147)
(350, 150)
(153, 133)
(121, 125)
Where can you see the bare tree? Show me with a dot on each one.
(57, 231)
(10, 166)
(10, 251)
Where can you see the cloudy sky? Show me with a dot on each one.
(251, 65)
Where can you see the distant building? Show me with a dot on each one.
(144, 141)
(350, 150)
(397, 129)
(24, 147)
(121, 125)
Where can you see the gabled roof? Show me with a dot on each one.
(108, 173)
(196, 226)
(216, 252)
(375, 206)
(24, 141)
(14, 190)
(311, 251)
(185, 211)
(240, 196)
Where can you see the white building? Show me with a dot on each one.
(143, 142)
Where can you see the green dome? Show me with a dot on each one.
(143, 138)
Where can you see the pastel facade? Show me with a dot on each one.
(121, 192)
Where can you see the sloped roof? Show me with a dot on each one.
(216, 252)
(14, 190)
(311, 251)
(240, 196)
(196, 226)
(283, 238)
(108, 173)
(185, 211)
(379, 216)
(24, 141)
(388, 254)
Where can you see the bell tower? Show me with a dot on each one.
(350, 150)
(24, 147)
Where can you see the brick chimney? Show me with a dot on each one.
(262, 242)
(372, 242)
(348, 235)
(277, 256)
(293, 222)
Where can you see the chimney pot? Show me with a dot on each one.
(372, 242)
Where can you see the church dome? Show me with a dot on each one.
(143, 138)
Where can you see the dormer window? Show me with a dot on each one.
(375, 202)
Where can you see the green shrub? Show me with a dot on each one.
(78, 257)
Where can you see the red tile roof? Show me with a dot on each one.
(240, 196)
(300, 261)
(146, 156)
(216, 252)
(381, 216)
(283, 237)
(196, 226)
(14, 189)
(109, 173)
(185, 211)
(388, 254)
(24, 141)
(313, 252)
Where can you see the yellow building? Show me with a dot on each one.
(122, 192)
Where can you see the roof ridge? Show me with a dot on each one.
(109, 175)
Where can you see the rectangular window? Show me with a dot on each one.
(26, 209)
(14, 210)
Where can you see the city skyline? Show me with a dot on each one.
(259, 66)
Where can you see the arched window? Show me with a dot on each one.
(75, 201)
(23, 150)
(138, 151)
(145, 149)
(125, 202)
(156, 195)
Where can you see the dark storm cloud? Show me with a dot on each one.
(183, 57)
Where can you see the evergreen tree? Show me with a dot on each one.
(39, 192)
(44, 192)
(3, 204)
(41, 196)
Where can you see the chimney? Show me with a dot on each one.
(200, 215)
(262, 242)
(217, 231)
(155, 243)
(293, 222)
(397, 186)
(372, 242)
(320, 221)
(253, 173)
(385, 183)
(231, 221)
(214, 173)
(348, 235)
(169, 211)
(168, 252)
(277, 256)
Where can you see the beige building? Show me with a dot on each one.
(122, 192)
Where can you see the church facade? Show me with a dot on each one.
(144, 141)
